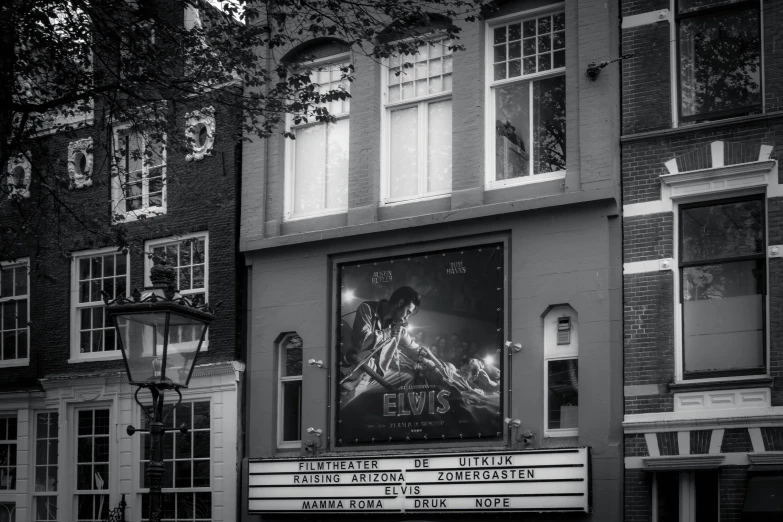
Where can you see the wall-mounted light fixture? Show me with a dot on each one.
(594, 69)
(515, 347)
(313, 362)
(313, 445)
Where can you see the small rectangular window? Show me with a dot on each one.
(720, 69)
(92, 465)
(722, 270)
(418, 123)
(563, 394)
(290, 390)
(7, 453)
(46, 452)
(527, 97)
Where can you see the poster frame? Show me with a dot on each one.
(386, 251)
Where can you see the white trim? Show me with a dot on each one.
(756, 440)
(716, 441)
(684, 442)
(280, 348)
(674, 77)
(711, 400)
(767, 458)
(648, 207)
(721, 179)
(651, 265)
(652, 17)
(729, 459)
(76, 355)
(22, 361)
(652, 444)
(683, 461)
(668, 421)
(490, 183)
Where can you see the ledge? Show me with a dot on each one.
(719, 178)
(759, 382)
(250, 243)
(715, 419)
(683, 462)
(728, 122)
(769, 458)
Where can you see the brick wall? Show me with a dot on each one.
(637, 495)
(733, 483)
(647, 237)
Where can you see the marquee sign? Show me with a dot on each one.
(536, 480)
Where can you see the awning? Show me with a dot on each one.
(764, 495)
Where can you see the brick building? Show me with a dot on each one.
(479, 188)
(702, 288)
(64, 398)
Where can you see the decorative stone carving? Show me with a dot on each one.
(18, 178)
(80, 163)
(200, 132)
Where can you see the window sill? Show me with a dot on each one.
(289, 446)
(137, 215)
(721, 384)
(11, 363)
(288, 218)
(106, 356)
(550, 434)
(425, 197)
(525, 180)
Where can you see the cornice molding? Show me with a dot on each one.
(683, 462)
(769, 458)
(717, 173)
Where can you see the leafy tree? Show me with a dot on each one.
(145, 63)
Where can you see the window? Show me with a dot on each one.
(290, 392)
(527, 113)
(93, 335)
(187, 461)
(140, 181)
(7, 453)
(317, 173)
(722, 270)
(686, 496)
(417, 126)
(188, 255)
(46, 447)
(561, 372)
(719, 58)
(92, 465)
(14, 310)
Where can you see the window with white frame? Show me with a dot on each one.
(526, 126)
(7, 512)
(92, 465)
(106, 270)
(45, 474)
(139, 184)
(14, 309)
(417, 124)
(719, 58)
(7, 453)
(188, 255)
(187, 486)
(289, 392)
(723, 290)
(317, 166)
(561, 372)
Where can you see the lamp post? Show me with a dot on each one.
(160, 334)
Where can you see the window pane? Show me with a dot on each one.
(512, 130)
(292, 407)
(337, 165)
(723, 230)
(293, 356)
(439, 146)
(720, 58)
(723, 316)
(563, 394)
(549, 131)
(309, 169)
(404, 153)
(685, 6)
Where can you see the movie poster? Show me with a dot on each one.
(420, 347)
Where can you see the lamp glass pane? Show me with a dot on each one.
(184, 343)
(141, 341)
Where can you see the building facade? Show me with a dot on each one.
(702, 287)
(434, 308)
(65, 402)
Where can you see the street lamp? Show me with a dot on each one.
(160, 335)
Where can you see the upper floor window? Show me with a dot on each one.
(317, 166)
(14, 309)
(527, 114)
(139, 187)
(290, 391)
(417, 124)
(188, 256)
(723, 290)
(719, 58)
(93, 335)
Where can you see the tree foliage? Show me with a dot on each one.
(144, 63)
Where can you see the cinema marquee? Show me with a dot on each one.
(537, 480)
